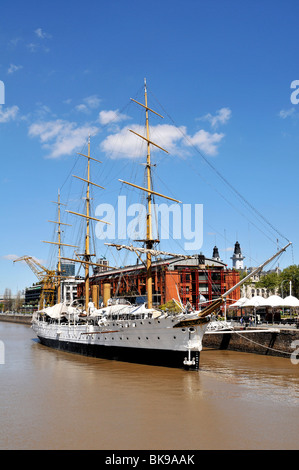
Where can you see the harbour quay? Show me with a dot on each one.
(272, 341)
(23, 318)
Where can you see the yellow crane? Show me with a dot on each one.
(46, 278)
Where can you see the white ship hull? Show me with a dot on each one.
(161, 341)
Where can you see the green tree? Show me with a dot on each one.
(269, 281)
(7, 299)
(281, 281)
(291, 273)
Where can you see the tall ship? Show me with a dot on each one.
(118, 329)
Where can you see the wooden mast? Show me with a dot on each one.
(59, 203)
(59, 252)
(87, 255)
(87, 244)
(149, 236)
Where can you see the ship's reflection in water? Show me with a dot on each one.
(56, 400)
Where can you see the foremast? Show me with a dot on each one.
(87, 255)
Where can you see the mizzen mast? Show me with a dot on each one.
(149, 242)
(60, 244)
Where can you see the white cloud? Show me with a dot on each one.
(10, 257)
(39, 45)
(121, 144)
(13, 68)
(15, 257)
(14, 42)
(32, 47)
(82, 108)
(91, 102)
(8, 114)
(284, 113)
(111, 117)
(42, 34)
(206, 141)
(61, 137)
(170, 137)
(124, 144)
(222, 116)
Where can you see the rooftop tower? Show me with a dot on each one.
(237, 257)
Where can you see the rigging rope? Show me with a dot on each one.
(220, 175)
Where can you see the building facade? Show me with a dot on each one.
(250, 289)
(197, 280)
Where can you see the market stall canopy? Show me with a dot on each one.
(239, 303)
(290, 301)
(272, 301)
(255, 301)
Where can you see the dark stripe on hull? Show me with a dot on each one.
(155, 357)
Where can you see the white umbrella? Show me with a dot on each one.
(239, 303)
(290, 301)
(272, 301)
(255, 301)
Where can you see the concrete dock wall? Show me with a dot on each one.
(16, 318)
(272, 342)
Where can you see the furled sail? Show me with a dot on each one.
(147, 250)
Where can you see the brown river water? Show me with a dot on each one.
(53, 400)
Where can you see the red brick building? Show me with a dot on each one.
(196, 279)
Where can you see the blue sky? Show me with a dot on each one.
(219, 72)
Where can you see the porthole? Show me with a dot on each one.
(158, 337)
(174, 337)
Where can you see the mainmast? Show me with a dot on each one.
(149, 238)
(149, 242)
(87, 244)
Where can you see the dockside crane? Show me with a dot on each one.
(46, 277)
